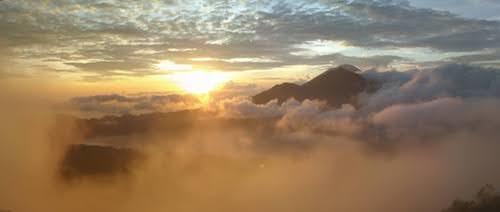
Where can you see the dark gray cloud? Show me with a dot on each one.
(478, 9)
(490, 59)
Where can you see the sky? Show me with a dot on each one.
(127, 105)
(88, 47)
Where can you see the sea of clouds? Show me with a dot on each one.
(423, 139)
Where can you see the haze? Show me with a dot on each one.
(249, 105)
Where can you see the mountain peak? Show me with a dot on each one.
(348, 67)
(336, 86)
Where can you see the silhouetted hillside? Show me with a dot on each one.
(336, 86)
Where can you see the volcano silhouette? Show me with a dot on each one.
(336, 86)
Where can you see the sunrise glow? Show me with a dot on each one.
(167, 65)
(199, 82)
(250, 105)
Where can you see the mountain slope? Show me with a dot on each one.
(336, 86)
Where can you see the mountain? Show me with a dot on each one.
(336, 86)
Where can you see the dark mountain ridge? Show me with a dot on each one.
(336, 86)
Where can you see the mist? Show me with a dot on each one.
(422, 140)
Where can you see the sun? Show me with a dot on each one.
(199, 82)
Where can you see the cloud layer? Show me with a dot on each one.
(114, 104)
(128, 38)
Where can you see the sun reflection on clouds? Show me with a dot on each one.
(199, 82)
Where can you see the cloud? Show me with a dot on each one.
(102, 43)
(415, 105)
(314, 116)
(244, 108)
(115, 104)
(438, 117)
(478, 9)
(446, 98)
(488, 59)
(453, 80)
(305, 156)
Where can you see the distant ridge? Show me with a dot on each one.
(336, 86)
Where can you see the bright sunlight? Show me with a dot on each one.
(199, 82)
